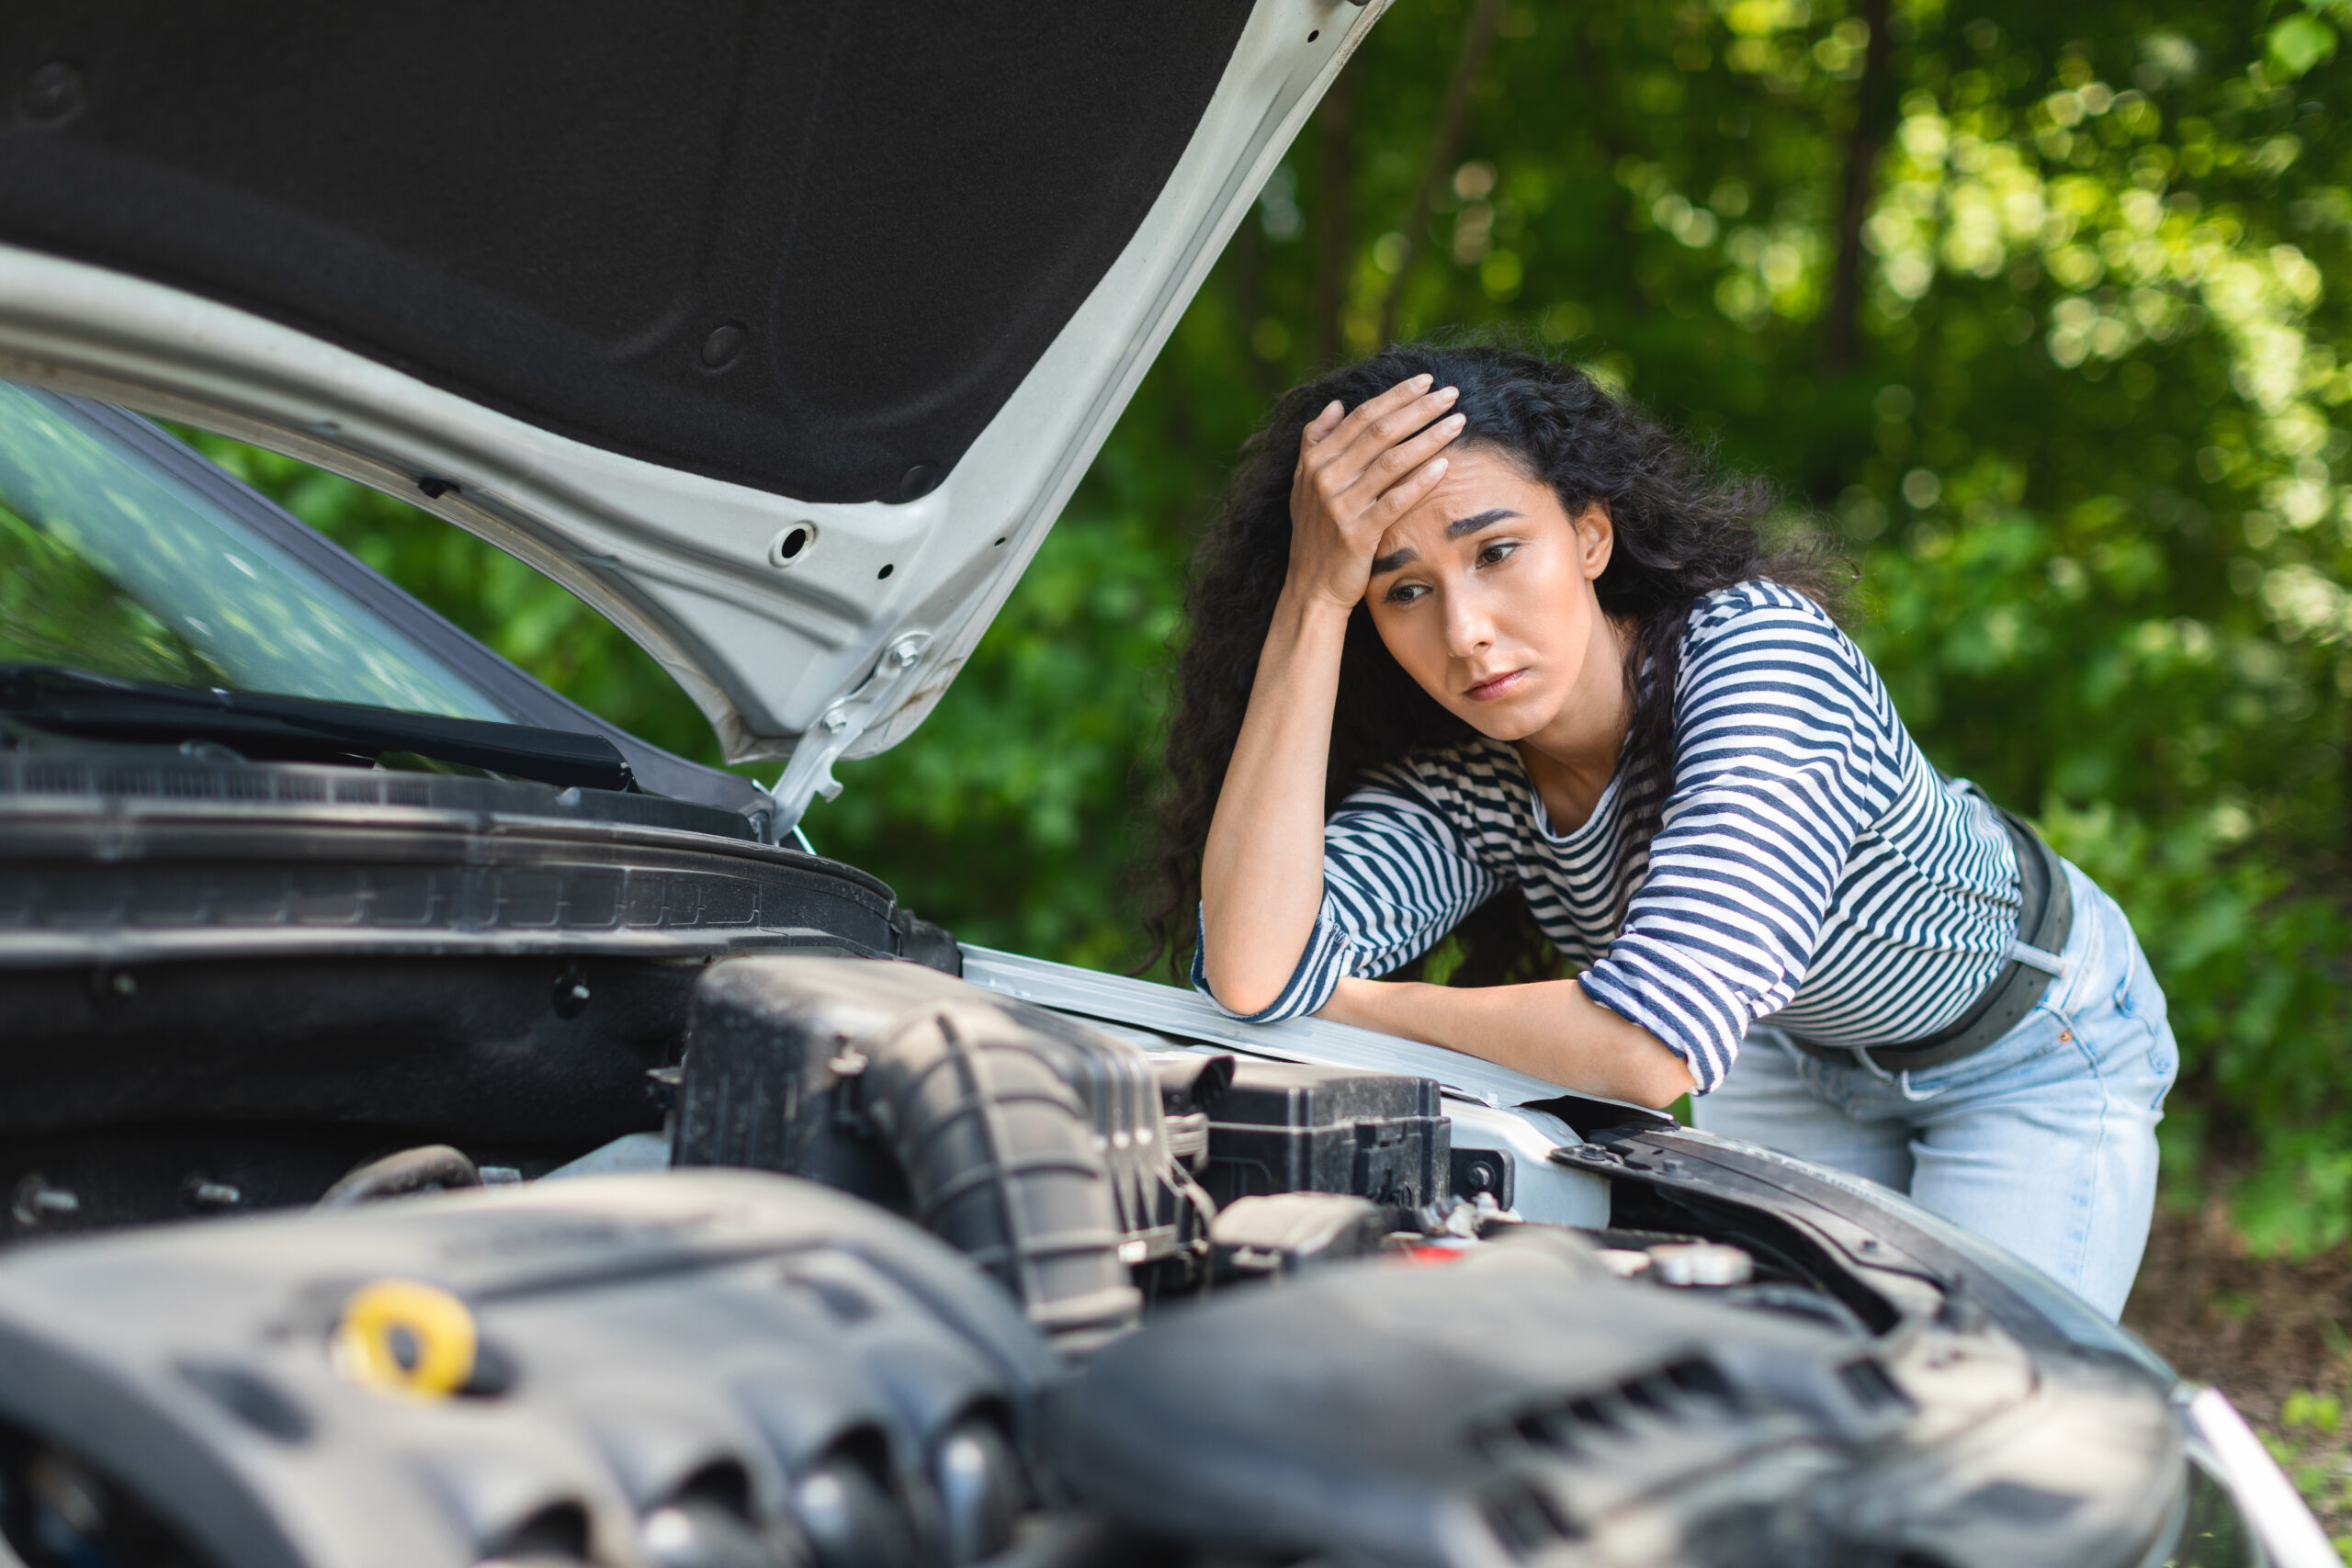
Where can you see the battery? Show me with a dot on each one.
(1288, 1127)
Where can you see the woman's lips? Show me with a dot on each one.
(1494, 686)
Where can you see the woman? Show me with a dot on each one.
(1478, 649)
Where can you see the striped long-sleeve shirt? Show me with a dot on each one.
(1811, 867)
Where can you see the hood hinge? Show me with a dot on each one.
(809, 772)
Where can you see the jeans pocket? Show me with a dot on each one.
(2164, 1051)
(2139, 999)
(2089, 953)
(2136, 994)
(2163, 1057)
(2126, 1041)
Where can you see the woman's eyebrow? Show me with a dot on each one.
(1487, 519)
(1453, 530)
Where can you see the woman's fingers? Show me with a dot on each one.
(1349, 428)
(1403, 496)
(1387, 467)
(1391, 411)
(1415, 449)
(1372, 409)
(1348, 455)
(1358, 470)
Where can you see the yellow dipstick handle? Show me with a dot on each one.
(404, 1337)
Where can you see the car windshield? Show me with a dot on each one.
(111, 562)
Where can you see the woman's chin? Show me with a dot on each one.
(1509, 721)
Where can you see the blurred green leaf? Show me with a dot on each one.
(2297, 42)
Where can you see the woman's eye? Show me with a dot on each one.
(1496, 552)
(1405, 592)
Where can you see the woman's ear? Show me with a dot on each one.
(1596, 538)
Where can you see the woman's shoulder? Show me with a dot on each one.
(1763, 619)
(1761, 648)
(1757, 605)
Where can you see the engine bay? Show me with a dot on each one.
(880, 1267)
(438, 1129)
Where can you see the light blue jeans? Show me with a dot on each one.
(2044, 1141)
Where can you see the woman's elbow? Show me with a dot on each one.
(1661, 1080)
(1244, 1002)
(1238, 991)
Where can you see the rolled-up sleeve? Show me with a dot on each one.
(1783, 748)
(1397, 877)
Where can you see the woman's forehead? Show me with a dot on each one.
(1477, 480)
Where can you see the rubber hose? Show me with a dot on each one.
(427, 1167)
(1000, 1157)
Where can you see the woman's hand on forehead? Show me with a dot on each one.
(1358, 472)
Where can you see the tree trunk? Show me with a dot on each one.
(1445, 138)
(1335, 217)
(1841, 334)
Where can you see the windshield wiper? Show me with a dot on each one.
(73, 701)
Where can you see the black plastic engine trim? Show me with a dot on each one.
(136, 862)
(479, 1051)
(1875, 1244)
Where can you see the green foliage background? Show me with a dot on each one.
(2043, 306)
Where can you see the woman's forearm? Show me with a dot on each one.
(1262, 872)
(1549, 1030)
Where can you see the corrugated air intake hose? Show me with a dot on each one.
(1032, 1142)
(1000, 1160)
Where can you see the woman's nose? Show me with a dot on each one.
(1468, 629)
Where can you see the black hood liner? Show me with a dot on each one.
(875, 216)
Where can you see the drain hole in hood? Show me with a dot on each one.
(791, 544)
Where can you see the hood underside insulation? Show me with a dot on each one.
(810, 249)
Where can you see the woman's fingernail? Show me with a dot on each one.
(1451, 392)
(1423, 380)
(1452, 422)
(1437, 468)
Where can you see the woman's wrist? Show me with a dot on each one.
(1301, 654)
(1367, 1004)
(1302, 605)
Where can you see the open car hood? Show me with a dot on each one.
(780, 335)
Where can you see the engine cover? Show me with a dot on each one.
(699, 1367)
(1523, 1405)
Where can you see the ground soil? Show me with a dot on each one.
(2270, 1333)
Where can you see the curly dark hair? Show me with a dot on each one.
(1683, 529)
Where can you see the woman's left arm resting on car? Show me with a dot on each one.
(1548, 1029)
(1722, 927)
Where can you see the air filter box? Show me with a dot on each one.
(1287, 1127)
